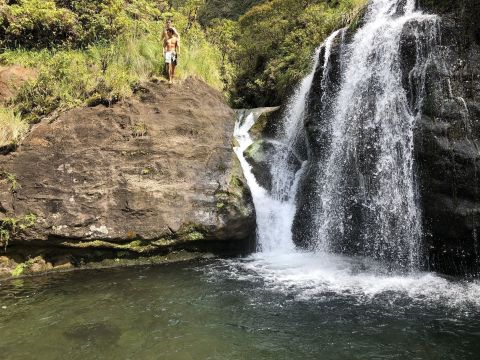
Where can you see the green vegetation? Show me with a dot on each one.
(9, 227)
(274, 43)
(12, 128)
(99, 52)
(221, 9)
(11, 180)
(20, 268)
(139, 129)
(88, 53)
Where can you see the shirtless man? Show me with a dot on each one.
(171, 50)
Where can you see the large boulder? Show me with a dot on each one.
(153, 173)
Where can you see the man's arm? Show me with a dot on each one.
(177, 47)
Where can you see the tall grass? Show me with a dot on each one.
(104, 73)
(203, 61)
(12, 127)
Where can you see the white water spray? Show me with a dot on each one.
(372, 142)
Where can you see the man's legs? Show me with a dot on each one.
(170, 72)
(174, 66)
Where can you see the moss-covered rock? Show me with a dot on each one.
(267, 125)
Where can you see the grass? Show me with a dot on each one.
(12, 127)
(103, 73)
(201, 61)
(99, 74)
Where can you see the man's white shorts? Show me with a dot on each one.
(169, 57)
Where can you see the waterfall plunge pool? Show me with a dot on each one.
(267, 306)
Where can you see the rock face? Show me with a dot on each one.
(149, 174)
(11, 78)
(267, 143)
(259, 156)
(448, 141)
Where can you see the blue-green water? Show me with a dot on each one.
(254, 308)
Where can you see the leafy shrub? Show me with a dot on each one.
(221, 9)
(37, 24)
(275, 43)
(9, 227)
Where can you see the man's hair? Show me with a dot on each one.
(170, 31)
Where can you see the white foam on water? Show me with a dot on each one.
(309, 275)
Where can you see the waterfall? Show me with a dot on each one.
(275, 210)
(365, 198)
(368, 198)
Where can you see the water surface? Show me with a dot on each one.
(299, 306)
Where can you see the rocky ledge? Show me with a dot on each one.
(149, 175)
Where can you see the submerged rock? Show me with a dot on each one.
(152, 173)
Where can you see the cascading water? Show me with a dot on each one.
(368, 202)
(274, 217)
(355, 193)
(276, 209)
(365, 202)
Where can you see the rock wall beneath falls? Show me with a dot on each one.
(447, 141)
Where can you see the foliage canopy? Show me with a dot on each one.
(90, 52)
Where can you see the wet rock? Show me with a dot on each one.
(268, 124)
(62, 262)
(447, 142)
(39, 265)
(261, 154)
(7, 266)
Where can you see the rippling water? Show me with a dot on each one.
(296, 306)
